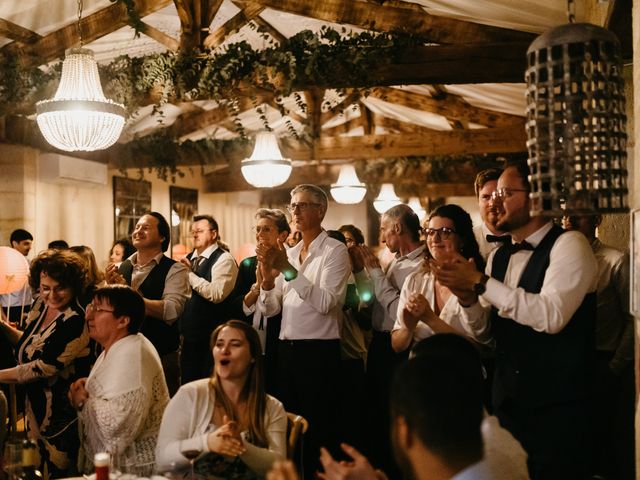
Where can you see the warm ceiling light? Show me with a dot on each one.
(348, 189)
(386, 199)
(266, 168)
(416, 206)
(79, 117)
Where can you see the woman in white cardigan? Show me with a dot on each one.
(238, 430)
(120, 404)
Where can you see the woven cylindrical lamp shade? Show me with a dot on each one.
(576, 122)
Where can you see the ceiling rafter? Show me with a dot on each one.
(249, 11)
(400, 126)
(16, 32)
(94, 26)
(450, 106)
(366, 119)
(160, 37)
(400, 16)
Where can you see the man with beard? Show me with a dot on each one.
(536, 301)
(487, 231)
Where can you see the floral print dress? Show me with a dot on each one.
(49, 359)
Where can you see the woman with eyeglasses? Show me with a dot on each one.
(426, 307)
(120, 404)
(53, 349)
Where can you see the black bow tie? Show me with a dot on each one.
(498, 238)
(516, 247)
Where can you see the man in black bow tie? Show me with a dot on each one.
(486, 232)
(536, 302)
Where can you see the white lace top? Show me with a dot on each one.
(127, 397)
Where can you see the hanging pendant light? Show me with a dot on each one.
(79, 117)
(386, 199)
(576, 121)
(348, 189)
(416, 206)
(266, 168)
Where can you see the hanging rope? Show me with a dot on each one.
(79, 28)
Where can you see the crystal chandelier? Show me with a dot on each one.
(386, 199)
(416, 206)
(348, 189)
(79, 117)
(266, 168)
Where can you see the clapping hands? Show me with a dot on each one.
(226, 440)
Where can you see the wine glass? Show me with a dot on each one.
(12, 461)
(190, 454)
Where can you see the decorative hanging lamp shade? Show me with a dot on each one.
(576, 122)
(386, 199)
(416, 206)
(79, 117)
(348, 189)
(266, 168)
(14, 270)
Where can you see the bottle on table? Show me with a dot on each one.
(29, 462)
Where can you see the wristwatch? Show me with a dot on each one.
(480, 287)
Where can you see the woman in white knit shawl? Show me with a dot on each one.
(120, 404)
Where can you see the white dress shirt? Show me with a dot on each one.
(422, 282)
(176, 285)
(223, 276)
(614, 326)
(572, 273)
(312, 302)
(480, 232)
(387, 286)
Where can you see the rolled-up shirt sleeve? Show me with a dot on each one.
(176, 292)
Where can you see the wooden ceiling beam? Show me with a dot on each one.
(16, 32)
(395, 125)
(366, 119)
(249, 11)
(160, 37)
(229, 180)
(397, 17)
(214, 7)
(450, 106)
(94, 26)
(270, 29)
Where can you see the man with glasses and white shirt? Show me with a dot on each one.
(212, 276)
(308, 283)
(537, 302)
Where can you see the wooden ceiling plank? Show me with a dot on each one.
(366, 119)
(398, 18)
(214, 7)
(270, 29)
(400, 126)
(235, 23)
(94, 26)
(450, 106)
(16, 32)
(343, 128)
(160, 37)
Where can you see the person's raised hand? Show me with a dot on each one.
(369, 260)
(113, 276)
(358, 468)
(78, 394)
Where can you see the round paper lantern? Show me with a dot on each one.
(14, 270)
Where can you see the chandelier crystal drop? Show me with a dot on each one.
(266, 168)
(79, 117)
(386, 199)
(348, 189)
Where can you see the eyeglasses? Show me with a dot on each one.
(444, 233)
(193, 232)
(505, 192)
(303, 206)
(266, 230)
(92, 308)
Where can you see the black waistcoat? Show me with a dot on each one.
(200, 316)
(164, 337)
(535, 368)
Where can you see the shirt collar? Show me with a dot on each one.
(207, 252)
(134, 259)
(536, 237)
(315, 244)
(411, 255)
